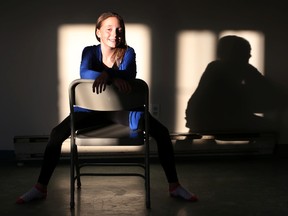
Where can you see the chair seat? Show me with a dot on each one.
(109, 135)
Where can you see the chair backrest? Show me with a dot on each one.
(81, 95)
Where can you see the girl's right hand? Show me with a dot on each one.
(100, 82)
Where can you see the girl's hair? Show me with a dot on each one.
(121, 48)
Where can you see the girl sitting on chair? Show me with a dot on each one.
(112, 61)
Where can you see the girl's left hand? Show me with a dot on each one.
(123, 85)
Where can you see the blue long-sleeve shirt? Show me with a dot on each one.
(92, 66)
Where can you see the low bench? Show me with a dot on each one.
(225, 142)
(221, 135)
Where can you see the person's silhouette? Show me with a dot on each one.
(231, 91)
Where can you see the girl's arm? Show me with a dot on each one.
(90, 67)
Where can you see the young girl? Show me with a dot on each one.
(110, 62)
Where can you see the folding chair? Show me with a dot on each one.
(112, 137)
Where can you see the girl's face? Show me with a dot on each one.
(110, 32)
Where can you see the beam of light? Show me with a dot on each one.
(194, 50)
(72, 38)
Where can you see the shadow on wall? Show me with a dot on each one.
(233, 95)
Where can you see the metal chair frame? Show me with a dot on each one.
(80, 94)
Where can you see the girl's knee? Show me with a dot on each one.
(58, 135)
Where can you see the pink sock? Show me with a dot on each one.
(181, 192)
(35, 193)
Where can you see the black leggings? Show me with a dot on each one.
(87, 119)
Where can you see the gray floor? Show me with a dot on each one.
(226, 186)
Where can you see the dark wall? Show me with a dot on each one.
(28, 32)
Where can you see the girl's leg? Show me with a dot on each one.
(53, 150)
(51, 157)
(59, 134)
(166, 156)
(165, 149)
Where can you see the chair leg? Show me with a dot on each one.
(147, 178)
(72, 181)
(147, 188)
(76, 163)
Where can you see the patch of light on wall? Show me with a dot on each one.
(256, 40)
(72, 38)
(194, 50)
(138, 36)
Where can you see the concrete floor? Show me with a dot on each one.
(226, 186)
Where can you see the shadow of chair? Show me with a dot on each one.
(109, 139)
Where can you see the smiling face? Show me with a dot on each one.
(110, 33)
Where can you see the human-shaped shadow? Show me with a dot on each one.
(231, 93)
